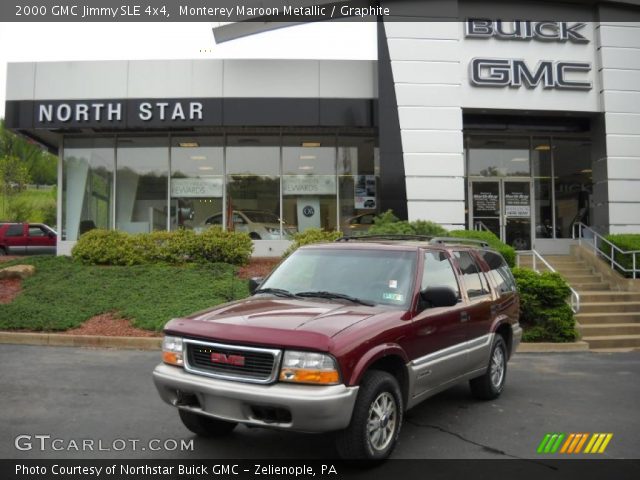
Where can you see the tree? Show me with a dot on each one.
(14, 177)
(40, 164)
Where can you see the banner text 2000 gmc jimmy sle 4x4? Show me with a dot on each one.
(346, 337)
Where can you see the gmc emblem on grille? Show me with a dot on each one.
(237, 360)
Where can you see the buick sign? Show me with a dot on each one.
(526, 30)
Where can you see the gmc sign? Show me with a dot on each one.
(496, 72)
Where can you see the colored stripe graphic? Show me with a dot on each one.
(572, 443)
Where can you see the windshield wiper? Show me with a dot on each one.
(323, 294)
(279, 292)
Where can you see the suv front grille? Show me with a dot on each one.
(232, 362)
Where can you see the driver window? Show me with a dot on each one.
(438, 272)
(35, 231)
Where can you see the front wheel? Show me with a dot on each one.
(376, 421)
(491, 384)
(205, 426)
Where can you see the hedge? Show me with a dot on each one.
(544, 313)
(113, 247)
(627, 242)
(311, 235)
(388, 224)
(507, 251)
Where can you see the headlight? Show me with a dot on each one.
(309, 367)
(172, 350)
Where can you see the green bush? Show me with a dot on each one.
(627, 242)
(507, 251)
(112, 247)
(388, 224)
(312, 235)
(544, 313)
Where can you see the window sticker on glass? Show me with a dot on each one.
(395, 297)
(393, 284)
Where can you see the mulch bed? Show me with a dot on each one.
(9, 289)
(108, 325)
(258, 267)
(6, 258)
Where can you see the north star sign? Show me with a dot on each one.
(501, 72)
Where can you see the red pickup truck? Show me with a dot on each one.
(27, 239)
(346, 337)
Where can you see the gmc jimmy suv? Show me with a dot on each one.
(346, 337)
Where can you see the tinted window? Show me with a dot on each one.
(438, 272)
(499, 271)
(35, 231)
(14, 231)
(473, 279)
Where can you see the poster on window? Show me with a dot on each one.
(309, 185)
(196, 187)
(517, 204)
(485, 201)
(365, 191)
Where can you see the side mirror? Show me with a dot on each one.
(439, 296)
(254, 283)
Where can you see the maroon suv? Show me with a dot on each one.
(346, 337)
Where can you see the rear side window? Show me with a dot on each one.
(14, 231)
(499, 271)
(473, 278)
(438, 272)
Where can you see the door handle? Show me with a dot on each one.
(464, 317)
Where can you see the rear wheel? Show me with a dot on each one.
(376, 421)
(205, 426)
(491, 384)
(2, 251)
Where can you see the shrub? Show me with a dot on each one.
(19, 209)
(312, 235)
(112, 247)
(624, 241)
(507, 251)
(544, 313)
(388, 224)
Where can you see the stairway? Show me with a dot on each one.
(608, 320)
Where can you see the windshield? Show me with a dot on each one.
(261, 217)
(377, 276)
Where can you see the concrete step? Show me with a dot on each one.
(609, 307)
(610, 329)
(607, 318)
(613, 341)
(575, 271)
(590, 286)
(571, 279)
(609, 296)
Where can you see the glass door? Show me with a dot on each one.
(503, 207)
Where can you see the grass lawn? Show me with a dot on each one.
(63, 294)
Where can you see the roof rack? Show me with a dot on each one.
(382, 236)
(441, 240)
(423, 238)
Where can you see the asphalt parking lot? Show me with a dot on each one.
(76, 394)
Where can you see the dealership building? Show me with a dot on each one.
(521, 127)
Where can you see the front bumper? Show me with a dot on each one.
(310, 408)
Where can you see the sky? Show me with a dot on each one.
(50, 42)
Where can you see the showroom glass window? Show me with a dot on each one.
(253, 185)
(309, 181)
(87, 185)
(490, 156)
(541, 162)
(358, 180)
(141, 184)
(197, 182)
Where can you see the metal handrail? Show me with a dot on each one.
(480, 226)
(575, 296)
(611, 258)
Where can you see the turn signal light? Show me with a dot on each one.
(323, 377)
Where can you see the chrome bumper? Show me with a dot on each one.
(311, 408)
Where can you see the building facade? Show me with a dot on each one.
(521, 127)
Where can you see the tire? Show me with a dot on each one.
(378, 390)
(3, 251)
(205, 426)
(491, 384)
(254, 236)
